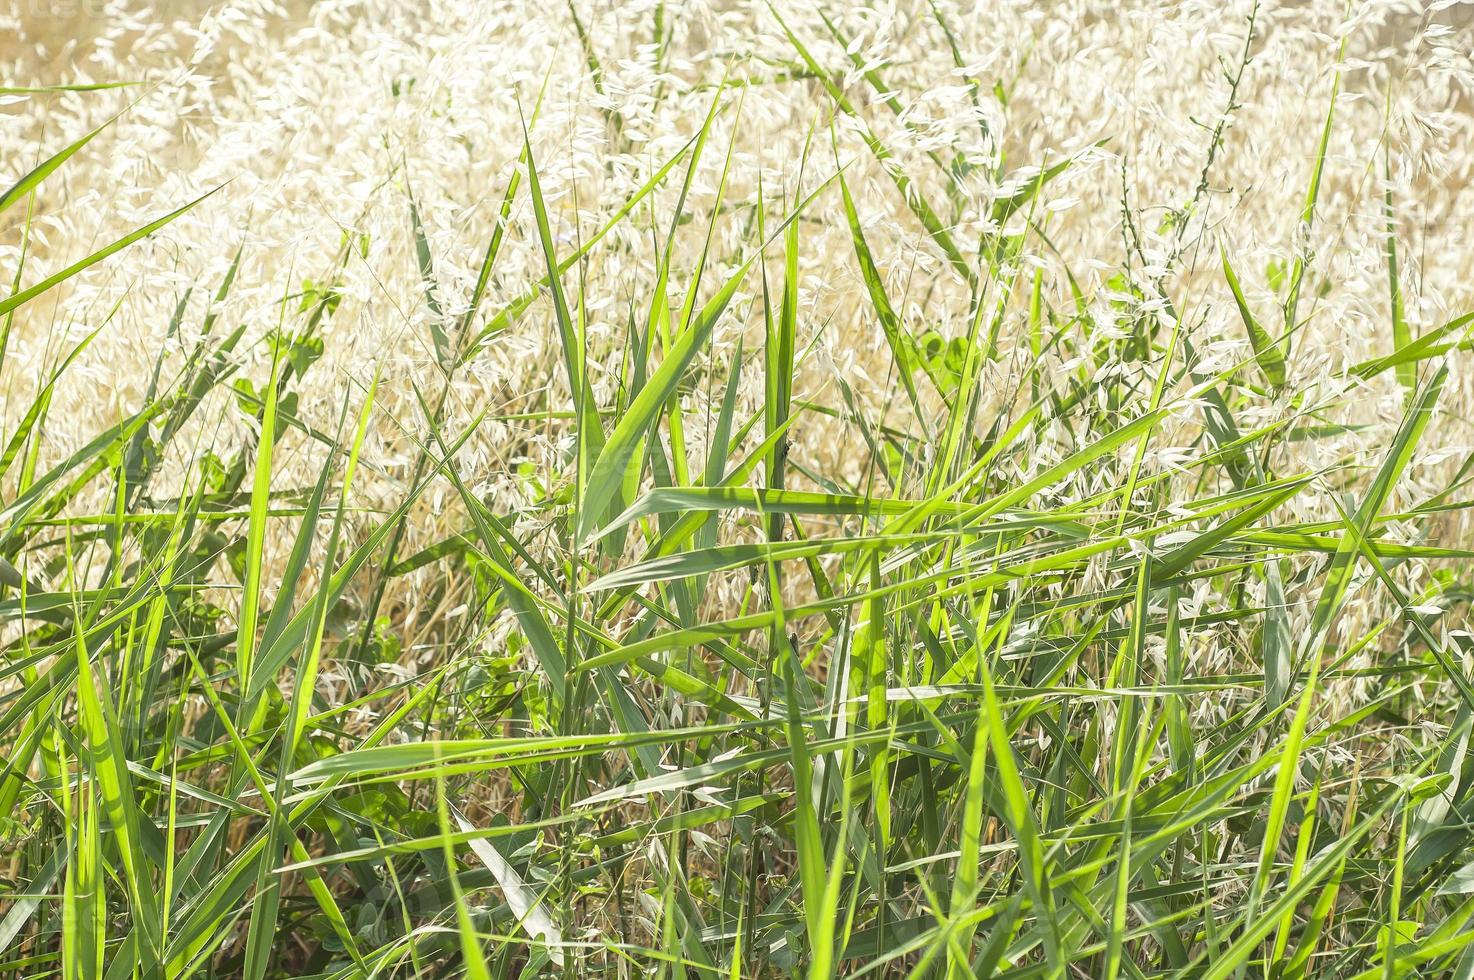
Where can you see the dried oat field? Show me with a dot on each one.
(736, 488)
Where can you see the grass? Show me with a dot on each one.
(1022, 700)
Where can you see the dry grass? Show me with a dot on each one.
(361, 151)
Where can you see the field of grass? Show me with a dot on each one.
(736, 489)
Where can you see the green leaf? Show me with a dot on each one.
(1267, 353)
(26, 295)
